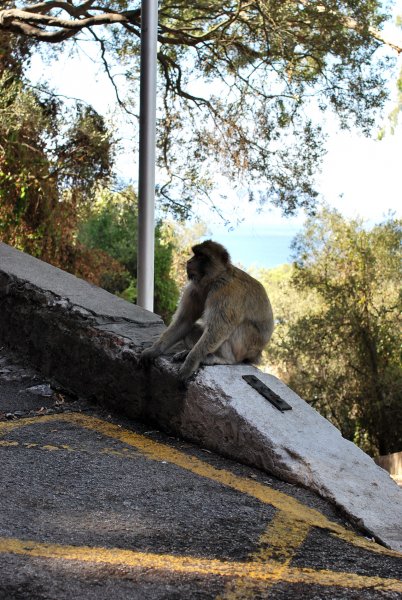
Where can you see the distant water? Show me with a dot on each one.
(258, 250)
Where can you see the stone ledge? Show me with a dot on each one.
(90, 342)
(73, 290)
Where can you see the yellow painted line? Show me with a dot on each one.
(30, 445)
(7, 444)
(281, 539)
(255, 571)
(162, 452)
(343, 580)
(124, 452)
(50, 447)
(8, 426)
(279, 543)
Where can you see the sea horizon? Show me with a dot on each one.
(259, 250)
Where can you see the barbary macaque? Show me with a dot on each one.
(224, 316)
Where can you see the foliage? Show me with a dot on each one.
(240, 82)
(15, 53)
(337, 338)
(182, 236)
(393, 117)
(50, 159)
(112, 228)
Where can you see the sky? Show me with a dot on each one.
(359, 176)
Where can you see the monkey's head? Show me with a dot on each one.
(209, 259)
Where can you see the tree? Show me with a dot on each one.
(393, 117)
(262, 63)
(50, 160)
(182, 236)
(338, 332)
(53, 162)
(15, 52)
(110, 230)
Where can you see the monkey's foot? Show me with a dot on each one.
(180, 356)
(188, 368)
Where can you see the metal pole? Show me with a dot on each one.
(146, 174)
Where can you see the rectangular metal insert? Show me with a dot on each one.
(264, 390)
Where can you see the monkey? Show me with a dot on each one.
(224, 316)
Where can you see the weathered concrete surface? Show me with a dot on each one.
(76, 292)
(90, 341)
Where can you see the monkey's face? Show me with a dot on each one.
(196, 267)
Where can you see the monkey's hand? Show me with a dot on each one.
(180, 356)
(149, 354)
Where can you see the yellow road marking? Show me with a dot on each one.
(282, 538)
(125, 452)
(161, 452)
(255, 571)
(158, 451)
(278, 544)
(6, 443)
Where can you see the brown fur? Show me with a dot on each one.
(224, 316)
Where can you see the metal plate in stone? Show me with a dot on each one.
(264, 390)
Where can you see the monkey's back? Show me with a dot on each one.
(243, 299)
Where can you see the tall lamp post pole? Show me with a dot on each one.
(146, 174)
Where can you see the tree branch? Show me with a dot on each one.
(75, 11)
(35, 24)
(35, 21)
(109, 74)
(350, 23)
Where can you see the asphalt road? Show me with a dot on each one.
(95, 506)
